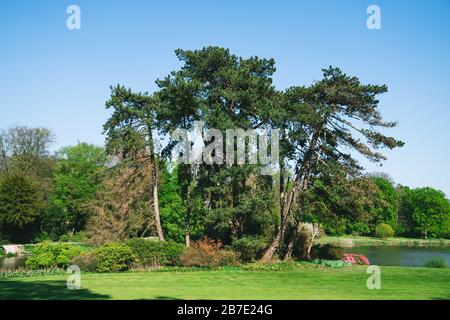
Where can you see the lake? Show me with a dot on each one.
(400, 256)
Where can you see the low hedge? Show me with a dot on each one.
(156, 253)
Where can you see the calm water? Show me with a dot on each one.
(401, 256)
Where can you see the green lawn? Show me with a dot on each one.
(372, 241)
(345, 283)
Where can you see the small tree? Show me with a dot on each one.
(76, 180)
(430, 212)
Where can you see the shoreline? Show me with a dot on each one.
(355, 241)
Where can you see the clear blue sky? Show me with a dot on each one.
(59, 78)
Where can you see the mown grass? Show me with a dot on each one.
(236, 284)
(372, 241)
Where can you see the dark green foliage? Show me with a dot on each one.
(114, 257)
(21, 205)
(384, 230)
(52, 255)
(436, 263)
(156, 253)
(327, 252)
(249, 248)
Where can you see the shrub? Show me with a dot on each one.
(114, 257)
(50, 255)
(437, 262)
(64, 238)
(354, 258)
(156, 253)
(384, 230)
(207, 253)
(87, 261)
(328, 252)
(302, 241)
(249, 248)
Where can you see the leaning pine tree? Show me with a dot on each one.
(321, 122)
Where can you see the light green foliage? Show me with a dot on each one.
(173, 208)
(114, 257)
(388, 197)
(50, 255)
(384, 230)
(77, 178)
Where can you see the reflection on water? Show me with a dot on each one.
(401, 256)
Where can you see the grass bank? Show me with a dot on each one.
(394, 242)
(315, 283)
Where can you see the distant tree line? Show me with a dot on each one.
(133, 188)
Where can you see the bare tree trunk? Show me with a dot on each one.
(159, 229)
(156, 204)
(187, 234)
(290, 247)
(300, 183)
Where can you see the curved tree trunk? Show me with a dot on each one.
(300, 184)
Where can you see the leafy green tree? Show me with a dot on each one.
(429, 210)
(225, 92)
(25, 150)
(21, 206)
(387, 212)
(76, 180)
(173, 208)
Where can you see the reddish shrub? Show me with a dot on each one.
(207, 253)
(356, 258)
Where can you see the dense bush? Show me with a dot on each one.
(436, 263)
(21, 204)
(383, 230)
(327, 252)
(87, 261)
(50, 255)
(114, 257)
(207, 253)
(249, 248)
(156, 253)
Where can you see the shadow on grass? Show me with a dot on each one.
(45, 290)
